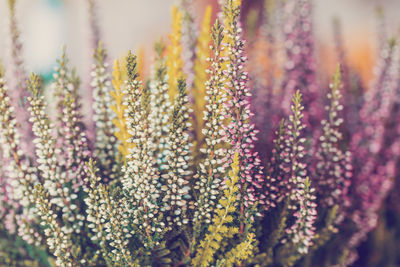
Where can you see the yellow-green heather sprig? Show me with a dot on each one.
(174, 53)
(105, 148)
(201, 64)
(118, 107)
(176, 180)
(220, 228)
(141, 181)
(211, 172)
(240, 253)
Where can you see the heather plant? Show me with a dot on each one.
(228, 154)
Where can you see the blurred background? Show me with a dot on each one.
(46, 25)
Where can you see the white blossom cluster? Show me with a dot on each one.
(72, 139)
(141, 178)
(297, 186)
(302, 232)
(46, 150)
(333, 168)
(105, 145)
(295, 152)
(107, 219)
(71, 135)
(211, 171)
(18, 168)
(176, 188)
(160, 110)
(55, 182)
(57, 240)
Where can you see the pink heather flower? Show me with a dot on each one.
(95, 38)
(373, 162)
(286, 180)
(240, 132)
(353, 88)
(332, 166)
(17, 84)
(287, 169)
(300, 64)
(263, 66)
(302, 232)
(189, 39)
(94, 24)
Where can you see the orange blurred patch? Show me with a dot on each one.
(362, 56)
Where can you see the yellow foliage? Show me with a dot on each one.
(231, 11)
(119, 76)
(141, 63)
(174, 50)
(201, 64)
(237, 3)
(219, 229)
(242, 252)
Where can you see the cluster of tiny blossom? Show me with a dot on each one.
(176, 179)
(371, 181)
(141, 178)
(160, 107)
(57, 241)
(211, 172)
(17, 80)
(107, 218)
(286, 179)
(302, 232)
(300, 64)
(189, 39)
(21, 174)
(169, 169)
(56, 183)
(71, 136)
(288, 168)
(333, 167)
(105, 143)
(240, 133)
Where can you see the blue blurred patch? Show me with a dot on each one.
(54, 3)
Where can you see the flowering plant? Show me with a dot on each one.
(208, 161)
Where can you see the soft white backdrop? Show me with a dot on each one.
(127, 24)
